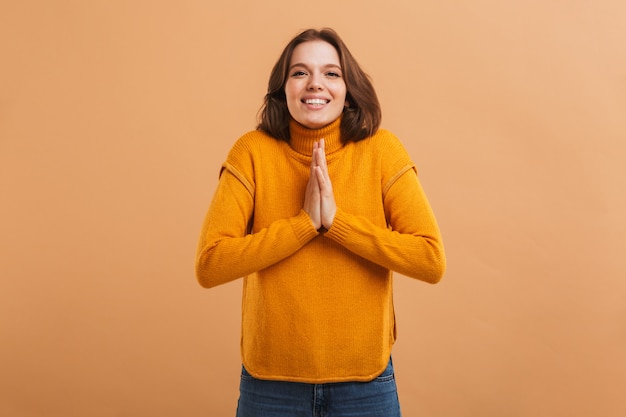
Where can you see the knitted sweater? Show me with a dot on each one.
(317, 306)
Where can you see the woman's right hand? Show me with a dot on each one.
(312, 196)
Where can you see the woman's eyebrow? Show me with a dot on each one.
(299, 64)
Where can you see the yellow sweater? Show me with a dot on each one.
(318, 307)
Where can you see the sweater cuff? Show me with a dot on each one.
(302, 227)
(340, 228)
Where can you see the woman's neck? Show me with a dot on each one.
(303, 138)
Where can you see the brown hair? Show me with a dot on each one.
(361, 117)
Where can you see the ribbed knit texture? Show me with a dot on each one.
(318, 307)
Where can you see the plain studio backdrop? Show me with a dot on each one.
(116, 115)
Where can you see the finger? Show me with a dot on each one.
(312, 199)
(322, 163)
(320, 156)
(321, 152)
(312, 185)
(325, 184)
(320, 178)
(314, 157)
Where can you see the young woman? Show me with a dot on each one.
(315, 209)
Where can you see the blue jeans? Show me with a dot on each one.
(377, 398)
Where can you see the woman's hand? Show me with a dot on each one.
(312, 197)
(328, 207)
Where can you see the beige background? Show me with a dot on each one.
(115, 117)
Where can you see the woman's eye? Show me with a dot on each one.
(298, 74)
(333, 74)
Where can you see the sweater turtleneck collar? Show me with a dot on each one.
(303, 138)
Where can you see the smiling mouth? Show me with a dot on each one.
(315, 101)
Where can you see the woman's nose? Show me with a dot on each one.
(315, 83)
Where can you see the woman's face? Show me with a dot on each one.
(315, 89)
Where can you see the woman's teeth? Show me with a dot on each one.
(315, 101)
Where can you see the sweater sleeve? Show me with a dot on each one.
(411, 245)
(227, 251)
